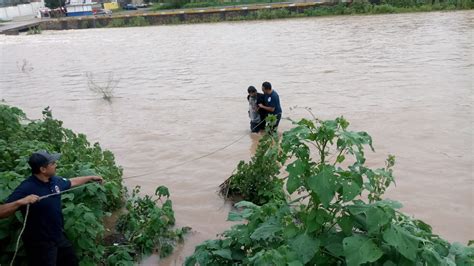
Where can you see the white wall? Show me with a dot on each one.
(10, 12)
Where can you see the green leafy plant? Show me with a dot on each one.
(337, 215)
(257, 180)
(147, 226)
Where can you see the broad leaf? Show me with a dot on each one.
(324, 185)
(265, 231)
(402, 240)
(305, 246)
(292, 184)
(376, 218)
(346, 223)
(360, 249)
(225, 253)
(350, 190)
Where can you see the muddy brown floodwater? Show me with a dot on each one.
(406, 79)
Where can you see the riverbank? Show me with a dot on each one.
(251, 12)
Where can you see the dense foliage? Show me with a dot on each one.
(257, 181)
(85, 208)
(147, 226)
(337, 216)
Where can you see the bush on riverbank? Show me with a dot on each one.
(257, 180)
(387, 6)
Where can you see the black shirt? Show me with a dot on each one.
(45, 219)
(273, 100)
(260, 100)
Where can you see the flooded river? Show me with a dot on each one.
(406, 79)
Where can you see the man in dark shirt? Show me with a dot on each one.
(43, 238)
(257, 115)
(272, 102)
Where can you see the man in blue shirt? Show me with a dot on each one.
(272, 103)
(43, 238)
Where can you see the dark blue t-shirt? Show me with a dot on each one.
(273, 100)
(45, 219)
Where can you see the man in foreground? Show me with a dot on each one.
(43, 238)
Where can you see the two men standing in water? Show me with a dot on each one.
(261, 105)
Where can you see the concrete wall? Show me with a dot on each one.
(10, 12)
(167, 17)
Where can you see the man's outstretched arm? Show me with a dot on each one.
(77, 181)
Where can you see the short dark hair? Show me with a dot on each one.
(36, 170)
(266, 85)
(37, 161)
(251, 89)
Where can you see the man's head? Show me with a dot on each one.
(267, 87)
(43, 163)
(252, 91)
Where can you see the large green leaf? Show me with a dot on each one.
(305, 246)
(350, 190)
(360, 249)
(292, 184)
(248, 210)
(388, 203)
(267, 257)
(346, 223)
(324, 185)
(296, 170)
(234, 216)
(224, 253)
(246, 204)
(332, 242)
(265, 231)
(376, 218)
(402, 240)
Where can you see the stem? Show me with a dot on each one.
(334, 256)
(298, 199)
(322, 152)
(333, 214)
(311, 113)
(338, 157)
